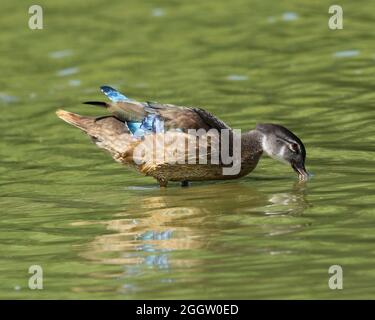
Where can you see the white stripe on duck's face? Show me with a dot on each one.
(275, 148)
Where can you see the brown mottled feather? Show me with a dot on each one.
(112, 134)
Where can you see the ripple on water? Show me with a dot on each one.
(60, 54)
(6, 98)
(237, 77)
(289, 16)
(346, 53)
(142, 188)
(286, 16)
(74, 83)
(67, 71)
(158, 12)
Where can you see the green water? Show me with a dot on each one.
(101, 231)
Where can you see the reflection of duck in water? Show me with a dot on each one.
(160, 230)
(288, 203)
(135, 126)
(148, 238)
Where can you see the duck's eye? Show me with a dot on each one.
(294, 147)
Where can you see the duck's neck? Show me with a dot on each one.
(251, 144)
(251, 151)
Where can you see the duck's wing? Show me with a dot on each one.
(152, 117)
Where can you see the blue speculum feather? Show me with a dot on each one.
(151, 124)
(113, 94)
(134, 128)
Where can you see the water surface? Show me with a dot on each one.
(101, 231)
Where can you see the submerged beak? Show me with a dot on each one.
(303, 175)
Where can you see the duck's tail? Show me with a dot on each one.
(83, 123)
(107, 132)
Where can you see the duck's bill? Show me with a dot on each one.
(303, 175)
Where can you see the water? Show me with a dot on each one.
(101, 231)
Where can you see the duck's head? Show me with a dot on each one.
(281, 144)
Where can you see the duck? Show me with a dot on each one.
(140, 135)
